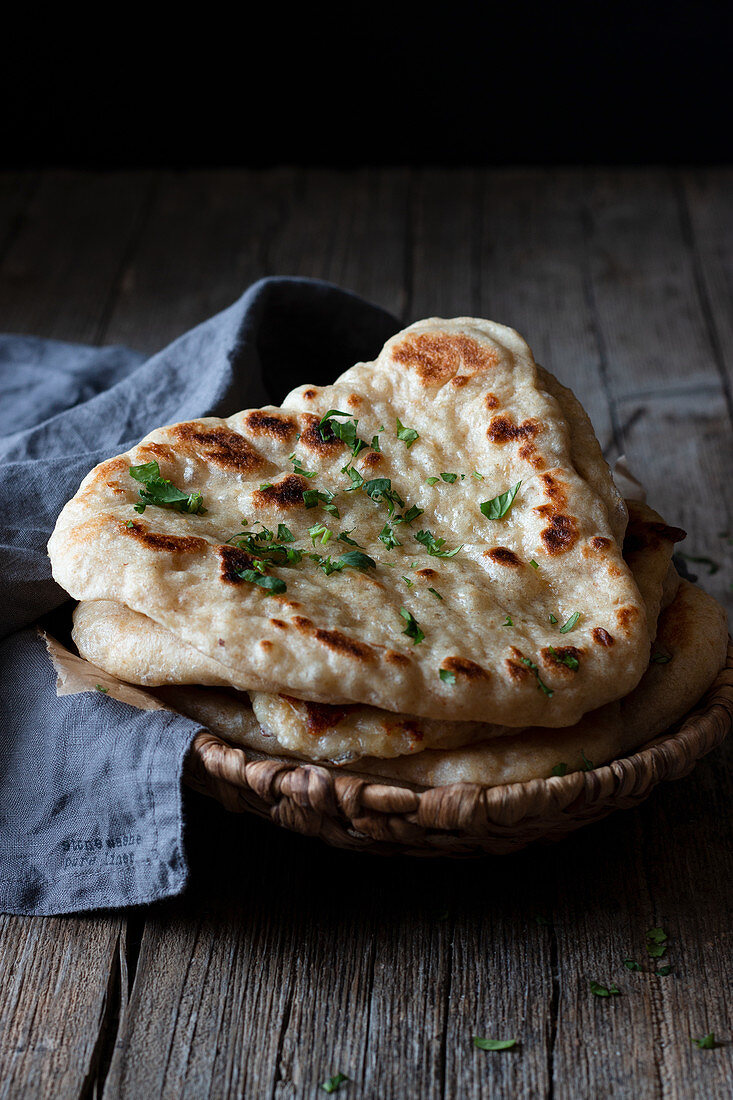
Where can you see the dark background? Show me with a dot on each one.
(343, 85)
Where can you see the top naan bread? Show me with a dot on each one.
(484, 411)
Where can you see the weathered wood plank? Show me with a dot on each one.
(60, 268)
(60, 986)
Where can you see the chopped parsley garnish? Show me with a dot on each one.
(540, 683)
(564, 659)
(408, 582)
(433, 545)
(568, 626)
(344, 537)
(631, 964)
(508, 621)
(604, 990)
(407, 435)
(447, 676)
(432, 480)
(313, 497)
(320, 532)
(713, 566)
(274, 585)
(706, 1043)
(588, 765)
(553, 619)
(299, 469)
(103, 690)
(412, 630)
(330, 428)
(160, 492)
(356, 560)
(494, 1044)
(663, 971)
(326, 564)
(477, 475)
(334, 1083)
(411, 514)
(266, 485)
(263, 546)
(375, 443)
(533, 563)
(284, 534)
(356, 479)
(498, 507)
(388, 537)
(656, 943)
(380, 489)
(436, 594)
(450, 478)
(560, 769)
(661, 658)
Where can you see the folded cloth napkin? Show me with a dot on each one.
(90, 789)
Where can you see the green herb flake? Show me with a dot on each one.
(266, 485)
(412, 630)
(313, 497)
(320, 532)
(408, 582)
(553, 619)
(494, 1044)
(284, 534)
(631, 964)
(450, 478)
(161, 493)
(542, 686)
(533, 563)
(344, 537)
(380, 490)
(560, 769)
(477, 475)
(568, 626)
(508, 621)
(706, 1043)
(663, 971)
(273, 584)
(436, 594)
(388, 537)
(564, 659)
(411, 514)
(433, 545)
(354, 559)
(498, 507)
(588, 765)
(656, 943)
(447, 675)
(130, 523)
(299, 469)
(103, 690)
(334, 1083)
(604, 990)
(375, 443)
(407, 435)
(432, 480)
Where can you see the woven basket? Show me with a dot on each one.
(352, 811)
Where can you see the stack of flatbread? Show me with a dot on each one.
(423, 571)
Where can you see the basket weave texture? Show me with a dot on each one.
(352, 811)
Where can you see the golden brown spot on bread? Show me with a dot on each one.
(319, 717)
(436, 357)
(371, 459)
(219, 445)
(279, 624)
(310, 394)
(561, 535)
(601, 636)
(502, 555)
(341, 643)
(311, 437)
(555, 660)
(232, 561)
(600, 543)
(625, 616)
(354, 401)
(459, 380)
(394, 658)
(302, 623)
(287, 493)
(265, 644)
(461, 666)
(166, 544)
(492, 401)
(427, 573)
(502, 429)
(515, 668)
(281, 428)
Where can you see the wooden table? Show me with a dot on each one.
(287, 962)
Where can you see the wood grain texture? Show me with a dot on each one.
(286, 961)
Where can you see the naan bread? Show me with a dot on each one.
(135, 649)
(692, 632)
(472, 391)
